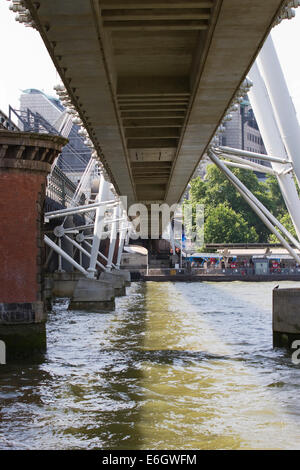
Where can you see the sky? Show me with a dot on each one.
(25, 62)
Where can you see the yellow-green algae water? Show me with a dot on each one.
(175, 366)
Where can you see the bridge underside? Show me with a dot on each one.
(152, 79)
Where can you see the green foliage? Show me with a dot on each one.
(286, 221)
(228, 218)
(224, 225)
(275, 194)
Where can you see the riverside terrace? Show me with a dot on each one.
(263, 263)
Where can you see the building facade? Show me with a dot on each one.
(242, 131)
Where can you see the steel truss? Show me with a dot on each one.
(106, 211)
(280, 130)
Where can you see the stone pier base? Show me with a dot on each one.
(286, 317)
(125, 275)
(120, 291)
(23, 341)
(116, 281)
(22, 313)
(92, 296)
(22, 328)
(64, 283)
(48, 289)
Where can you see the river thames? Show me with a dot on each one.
(175, 366)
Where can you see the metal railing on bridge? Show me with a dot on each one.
(6, 123)
(75, 155)
(60, 188)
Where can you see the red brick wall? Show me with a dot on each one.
(21, 200)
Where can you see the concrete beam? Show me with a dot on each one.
(150, 61)
(134, 5)
(223, 66)
(200, 25)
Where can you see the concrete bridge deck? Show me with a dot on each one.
(152, 80)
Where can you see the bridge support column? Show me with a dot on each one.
(25, 160)
(125, 275)
(93, 295)
(286, 317)
(113, 238)
(98, 228)
(116, 280)
(63, 284)
(124, 229)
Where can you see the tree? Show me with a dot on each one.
(279, 208)
(224, 225)
(197, 190)
(216, 189)
(286, 221)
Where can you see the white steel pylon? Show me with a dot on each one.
(274, 139)
(98, 226)
(280, 130)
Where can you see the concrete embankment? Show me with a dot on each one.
(220, 278)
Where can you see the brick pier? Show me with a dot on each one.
(25, 161)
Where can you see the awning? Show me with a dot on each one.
(206, 255)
